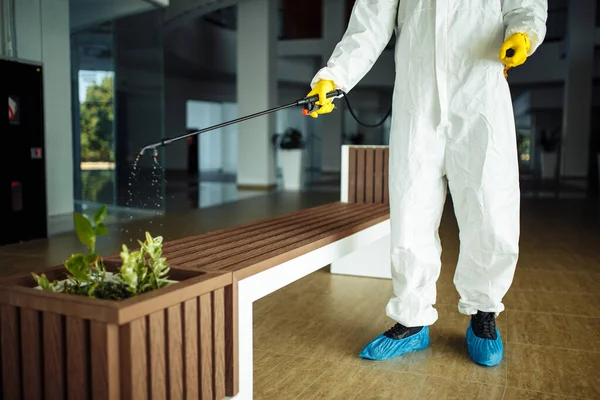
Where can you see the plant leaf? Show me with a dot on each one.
(100, 215)
(85, 231)
(43, 282)
(90, 291)
(78, 268)
(92, 258)
(101, 229)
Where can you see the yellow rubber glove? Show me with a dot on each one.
(322, 88)
(514, 50)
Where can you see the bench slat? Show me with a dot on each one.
(278, 256)
(344, 215)
(369, 175)
(31, 352)
(206, 246)
(386, 174)
(360, 174)
(190, 337)
(157, 353)
(378, 185)
(9, 346)
(203, 253)
(245, 228)
(53, 327)
(293, 247)
(352, 176)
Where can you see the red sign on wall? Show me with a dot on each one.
(13, 110)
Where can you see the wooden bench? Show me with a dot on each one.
(268, 255)
(197, 337)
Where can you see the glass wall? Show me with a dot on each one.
(117, 72)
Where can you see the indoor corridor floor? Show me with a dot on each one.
(308, 335)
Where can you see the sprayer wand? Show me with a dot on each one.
(309, 104)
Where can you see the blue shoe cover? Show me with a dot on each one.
(383, 348)
(485, 352)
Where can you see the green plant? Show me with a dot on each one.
(291, 139)
(141, 271)
(145, 269)
(355, 138)
(550, 142)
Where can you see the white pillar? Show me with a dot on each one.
(256, 91)
(578, 88)
(42, 33)
(332, 125)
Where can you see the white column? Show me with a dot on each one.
(42, 31)
(332, 125)
(578, 88)
(256, 91)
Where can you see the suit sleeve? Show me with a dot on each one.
(370, 29)
(526, 16)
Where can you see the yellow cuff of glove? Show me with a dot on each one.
(514, 50)
(322, 88)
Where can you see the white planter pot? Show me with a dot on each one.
(549, 165)
(291, 168)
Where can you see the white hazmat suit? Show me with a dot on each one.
(452, 119)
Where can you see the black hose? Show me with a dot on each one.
(361, 123)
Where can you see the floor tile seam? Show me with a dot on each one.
(551, 313)
(506, 360)
(550, 393)
(310, 319)
(512, 342)
(545, 291)
(565, 271)
(315, 381)
(505, 319)
(298, 356)
(417, 372)
(439, 376)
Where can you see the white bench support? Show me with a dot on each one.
(266, 282)
(372, 260)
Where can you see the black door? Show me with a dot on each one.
(23, 214)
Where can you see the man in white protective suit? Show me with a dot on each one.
(452, 125)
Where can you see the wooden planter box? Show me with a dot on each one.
(176, 342)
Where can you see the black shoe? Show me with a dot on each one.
(484, 325)
(398, 332)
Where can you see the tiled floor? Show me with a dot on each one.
(308, 334)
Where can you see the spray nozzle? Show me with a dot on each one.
(154, 147)
(147, 148)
